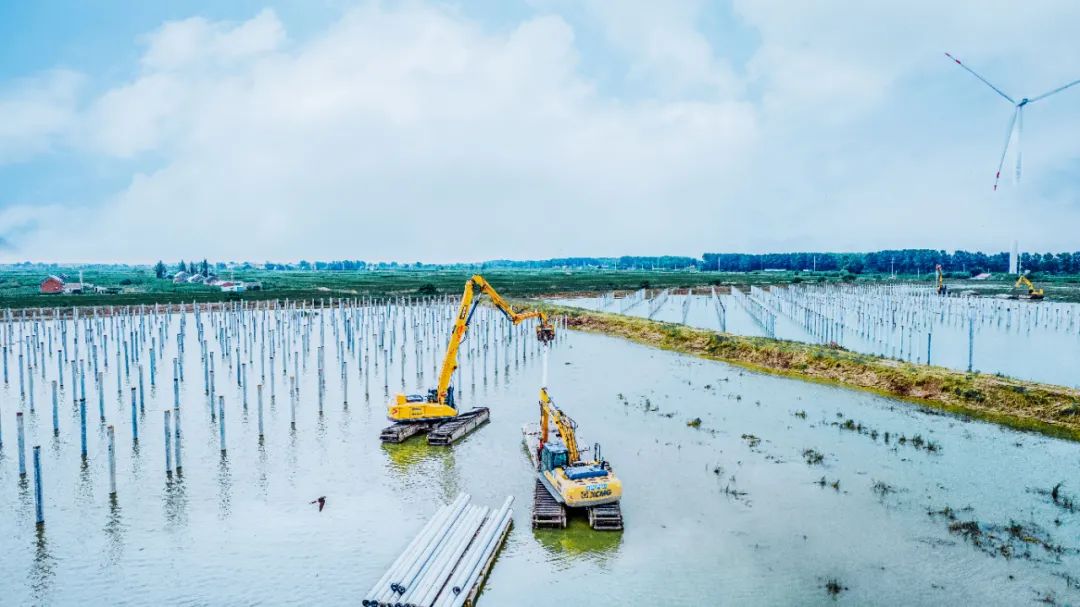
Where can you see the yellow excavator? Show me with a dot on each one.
(564, 479)
(1034, 293)
(436, 412)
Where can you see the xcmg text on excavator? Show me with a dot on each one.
(436, 412)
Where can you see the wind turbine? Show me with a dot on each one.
(1016, 123)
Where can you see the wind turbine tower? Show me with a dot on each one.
(1013, 132)
(1016, 122)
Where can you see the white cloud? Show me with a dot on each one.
(670, 54)
(195, 42)
(413, 132)
(397, 134)
(34, 112)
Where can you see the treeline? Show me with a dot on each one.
(901, 261)
(626, 262)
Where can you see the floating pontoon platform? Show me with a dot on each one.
(439, 433)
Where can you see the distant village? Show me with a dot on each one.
(60, 284)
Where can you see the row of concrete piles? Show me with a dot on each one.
(445, 564)
(100, 355)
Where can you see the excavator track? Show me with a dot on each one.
(606, 517)
(450, 432)
(547, 511)
(439, 433)
(402, 431)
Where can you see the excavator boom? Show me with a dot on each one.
(439, 403)
(545, 331)
(1033, 291)
(566, 426)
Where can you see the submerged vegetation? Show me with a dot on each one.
(834, 587)
(813, 457)
(1053, 410)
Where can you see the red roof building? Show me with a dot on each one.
(52, 284)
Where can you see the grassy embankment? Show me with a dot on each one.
(1052, 410)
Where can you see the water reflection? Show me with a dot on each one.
(292, 455)
(136, 463)
(404, 457)
(263, 482)
(224, 479)
(41, 571)
(320, 433)
(85, 488)
(114, 530)
(24, 492)
(407, 458)
(579, 540)
(175, 501)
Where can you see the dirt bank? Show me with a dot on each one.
(1049, 409)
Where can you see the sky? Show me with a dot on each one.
(237, 130)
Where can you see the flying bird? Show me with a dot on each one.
(1016, 123)
(321, 502)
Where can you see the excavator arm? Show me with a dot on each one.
(438, 403)
(563, 424)
(1024, 281)
(545, 331)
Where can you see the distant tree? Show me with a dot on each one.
(160, 270)
(427, 289)
(304, 264)
(181, 267)
(204, 268)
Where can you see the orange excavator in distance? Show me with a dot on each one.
(436, 412)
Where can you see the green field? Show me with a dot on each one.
(19, 288)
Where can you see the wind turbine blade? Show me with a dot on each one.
(1019, 134)
(1057, 90)
(985, 81)
(1005, 150)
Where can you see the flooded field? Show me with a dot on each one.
(739, 488)
(1036, 341)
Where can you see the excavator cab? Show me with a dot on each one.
(433, 396)
(554, 455)
(545, 332)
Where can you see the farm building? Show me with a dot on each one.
(180, 277)
(52, 284)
